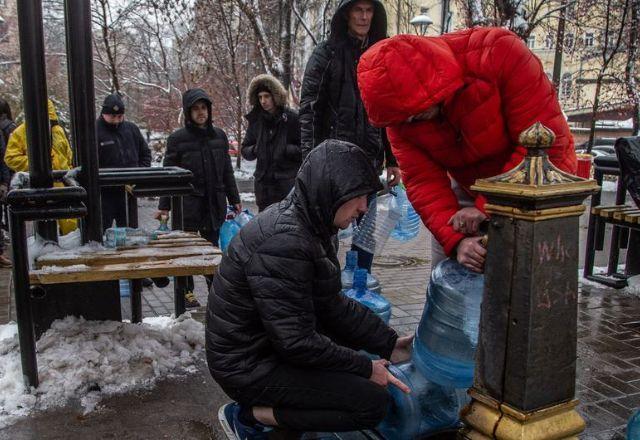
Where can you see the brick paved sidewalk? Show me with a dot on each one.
(608, 363)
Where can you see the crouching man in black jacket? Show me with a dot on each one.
(281, 340)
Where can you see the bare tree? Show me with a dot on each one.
(631, 65)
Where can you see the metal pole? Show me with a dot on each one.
(82, 106)
(23, 301)
(179, 283)
(34, 93)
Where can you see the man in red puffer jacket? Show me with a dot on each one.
(454, 107)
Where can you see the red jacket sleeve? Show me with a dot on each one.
(428, 188)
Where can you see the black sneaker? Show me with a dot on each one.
(190, 300)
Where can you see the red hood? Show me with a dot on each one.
(402, 76)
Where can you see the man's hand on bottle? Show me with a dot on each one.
(160, 213)
(383, 377)
(393, 176)
(471, 254)
(402, 350)
(467, 220)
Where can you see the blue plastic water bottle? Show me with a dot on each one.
(228, 230)
(442, 363)
(633, 427)
(346, 277)
(429, 407)
(125, 288)
(374, 301)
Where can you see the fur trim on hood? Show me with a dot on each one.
(273, 85)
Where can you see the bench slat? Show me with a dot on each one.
(149, 269)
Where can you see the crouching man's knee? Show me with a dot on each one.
(374, 407)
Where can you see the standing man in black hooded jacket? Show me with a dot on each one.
(120, 145)
(204, 150)
(281, 339)
(273, 138)
(330, 103)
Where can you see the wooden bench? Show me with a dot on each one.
(172, 255)
(625, 218)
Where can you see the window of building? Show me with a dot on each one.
(568, 40)
(531, 42)
(549, 41)
(588, 39)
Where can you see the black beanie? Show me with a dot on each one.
(113, 105)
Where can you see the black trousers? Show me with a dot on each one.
(212, 237)
(114, 207)
(270, 192)
(317, 400)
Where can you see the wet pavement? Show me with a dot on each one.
(608, 365)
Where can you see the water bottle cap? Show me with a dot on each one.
(352, 260)
(360, 279)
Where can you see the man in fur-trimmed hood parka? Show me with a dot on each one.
(273, 138)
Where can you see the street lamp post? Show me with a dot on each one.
(422, 21)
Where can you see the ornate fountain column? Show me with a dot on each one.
(526, 360)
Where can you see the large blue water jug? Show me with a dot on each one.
(633, 427)
(442, 362)
(447, 336)
(408, 226)
(372, 300)
(350, 266)
(429, 407)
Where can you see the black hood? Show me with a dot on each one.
(332, 174)
(339, 28)
(189, 98)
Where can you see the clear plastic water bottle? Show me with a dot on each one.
(125, 288)
(244, 217)
(350, 266)
(117, 236)
(447, 336)
(429, 408)
(374, 301)
(343, 234)
(375, 227)
(408, 226)
(633, 427)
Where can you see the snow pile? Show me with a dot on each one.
(247, 168)
(248, 197)
(89, 360)
(38, 246)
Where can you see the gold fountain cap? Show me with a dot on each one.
(535, 177)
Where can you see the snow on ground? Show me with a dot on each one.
(610, 185)
(87, 361)
(633, 282)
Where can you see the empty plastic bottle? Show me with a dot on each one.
(408, 226)
(350, 266)
(447, 336)
(429, 407)
(125, 288)
(633, 427)
(117, 236)
(375, 227)
(244, 217)
(374, 301)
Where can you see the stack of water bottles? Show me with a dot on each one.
(442, 364)
(232, 225)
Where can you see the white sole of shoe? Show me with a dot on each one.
(228, 430)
